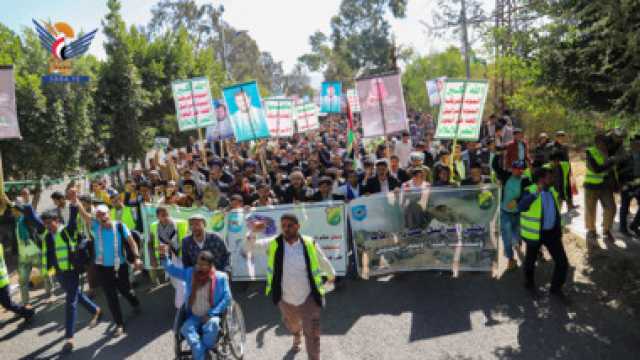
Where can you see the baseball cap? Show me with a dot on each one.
(198, 217)
(518, 164)
(102, 208)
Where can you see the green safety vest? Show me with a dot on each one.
(531, 220)
(127, 217)
(62, 250)
(28, 251)
(310, 248)
(182, 228)
(4, 274)
(592, 177)
(566, 168)
(527, 174)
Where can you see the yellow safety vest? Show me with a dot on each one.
(61, 250)
(4, 274)
(531, 220)
(592, 177)
(127, 217)
(181, 227)
(28, 251)
(310, 248)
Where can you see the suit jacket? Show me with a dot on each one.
(511, 153)
(373, 184)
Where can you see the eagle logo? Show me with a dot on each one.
(57, 39)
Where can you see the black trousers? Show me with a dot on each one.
(112, 283)
(7, 303)
(552, 240)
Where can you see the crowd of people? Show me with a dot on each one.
(536, 179)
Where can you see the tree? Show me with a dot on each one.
(461, 16)
(121, 99)
(591, 51)
(297, 82)
(360, 40)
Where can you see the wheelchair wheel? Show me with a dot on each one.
(236, 332)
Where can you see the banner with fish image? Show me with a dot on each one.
(433, 229)
(324, 222)
(215, 223)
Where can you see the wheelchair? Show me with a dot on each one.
(231, 337)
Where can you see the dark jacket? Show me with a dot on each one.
(504, 175)
(402, 175)
(288, 194)
(373, 184)
(511, 153)
(213, 243)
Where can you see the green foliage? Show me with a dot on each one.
(420, 69)
(360, 40)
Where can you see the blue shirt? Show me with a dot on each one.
(521, 151)
(512, 191)
(107, 242)
(548, 210)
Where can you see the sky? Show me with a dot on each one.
(281, 27)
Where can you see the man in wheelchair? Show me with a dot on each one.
(207, 297)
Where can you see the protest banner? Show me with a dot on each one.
(331, 97)
(433, 229)
(461, 110)
(324, 222)
(306, 116)
(352, 99)
(161, 143)
(9, 128)
(381, 105)
(221, 130)
(280, 116)
(215, 223)
(245, 111)
(434, 90)
(193, 103)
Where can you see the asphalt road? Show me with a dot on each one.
(411, 316)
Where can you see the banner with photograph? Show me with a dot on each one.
(221, 130)
(461, 110)
(325, 222)
(280, 112)
(193, 103)
(215, 223)
(331, 97)
(382, 105)
(354, 102)
(9, 128)
(434, 90)
(433, 229)
(245, 111)
(306, 116)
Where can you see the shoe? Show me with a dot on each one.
(119, 331)
(68, 346)
(297, 343)
(29, 314)
(512, 265)
(560, 296)
(608, 237)
(96, 318)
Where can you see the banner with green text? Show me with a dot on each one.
(461, 109)
(433, 229)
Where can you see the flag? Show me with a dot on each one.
(351, 136)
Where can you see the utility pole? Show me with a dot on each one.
(224, 45)
(465, 38)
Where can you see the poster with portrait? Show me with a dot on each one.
(382, 105)
(222, 129)
(434, 90)
(246, 113)
(331, 97)
(9, 128)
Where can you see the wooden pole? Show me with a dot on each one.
(203, 151)
(455, 135)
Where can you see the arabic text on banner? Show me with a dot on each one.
(280, 116)
(306, 116)
(469, 114)
(193, 103)
(324, 222)
(431, 229)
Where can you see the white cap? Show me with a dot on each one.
(102, 208)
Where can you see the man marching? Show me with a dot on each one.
(295, 267)
(170, 232)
